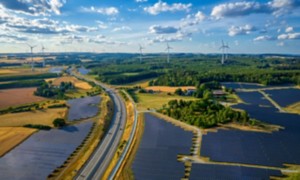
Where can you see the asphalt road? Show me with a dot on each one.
(97, 164)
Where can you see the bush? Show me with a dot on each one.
(59, 122)
(37, 126)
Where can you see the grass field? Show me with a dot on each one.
(168, 88)
(157, 100)
(12, 136)
(44, 117)
(78, 83)
(18, 96)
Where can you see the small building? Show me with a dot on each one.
(218, 93)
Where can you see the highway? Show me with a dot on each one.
(97, 164)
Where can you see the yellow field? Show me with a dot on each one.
(294, 108)
(157, 100)
(7, 71)
(12, 136)
(44, 117)
(168, 88)
(142, 84)
(78, 83)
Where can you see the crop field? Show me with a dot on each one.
(16, 71)
(40, 154)
(82, 108)
(157, 100)
(77, 83)
(285, 97)
(275, 149)
(18, 96)
(168, 88)
(294, 108)
(44, 117)
(236, 85)
(12, 136)
(202, 171)
(156, 157)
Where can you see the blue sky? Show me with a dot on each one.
(199, 26)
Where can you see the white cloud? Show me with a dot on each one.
(141, 1)
(157, 29)
(241, 30)
(164, 7)
(34, 7)
(289, 36)
(109, 11)
(264, 38)
(122, 28)
(275, 7)
(194, 19)
(237, 9)
(289, 29)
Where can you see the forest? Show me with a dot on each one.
(204, 113)
(48, 90)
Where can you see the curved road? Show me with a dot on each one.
(97, 164)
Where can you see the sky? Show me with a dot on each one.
(196, 26)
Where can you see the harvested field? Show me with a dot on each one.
(44, 117)
(12, 136)
(78, 83)
(19, 96)
(7, 71)
(168, 88)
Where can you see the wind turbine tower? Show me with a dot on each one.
(43, 54)
(31, 52)
(168, 50)
(226, 47)
(223, 47)
(141, 52)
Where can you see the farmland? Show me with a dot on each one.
(157, 100)
(19, 96)
(77, 83)
(12, 136)
(44, 117)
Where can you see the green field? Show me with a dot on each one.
(157, 100)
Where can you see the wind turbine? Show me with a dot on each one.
(141, 52)
(226, 51)
(223, 47)
(168, 50)
(31, 49)
(43, 54)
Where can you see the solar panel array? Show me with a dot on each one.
(39, 155)
(285, 97)
(253, 147)
(82, 108)
(156, 157)
(83, 70)
(214, 172)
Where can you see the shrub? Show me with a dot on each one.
(59, 122)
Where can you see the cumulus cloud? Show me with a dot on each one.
(34, 7)
(122, 28)
(157, 29)
(289, 36)
(9, 38)
(241, 30)
(289, 29)
(193, 19)
(238, 9)
(264, 38)
(275, 7)
(164, 7)
(109, 11)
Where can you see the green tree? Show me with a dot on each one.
(59, 122)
